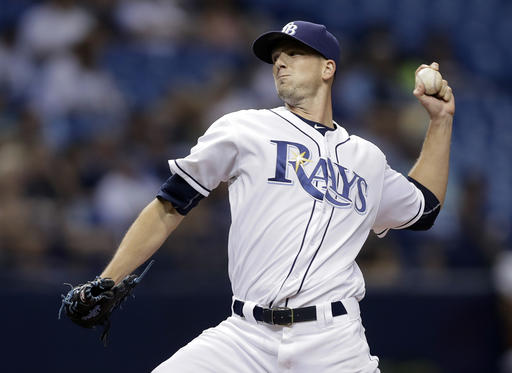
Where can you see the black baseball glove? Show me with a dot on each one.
(92, 303)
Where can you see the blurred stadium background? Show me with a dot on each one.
(96, 95)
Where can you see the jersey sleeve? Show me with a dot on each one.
(401, 205)
(212, 160)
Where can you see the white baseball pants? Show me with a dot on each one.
(244, 345)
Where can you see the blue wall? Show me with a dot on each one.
(436, 333)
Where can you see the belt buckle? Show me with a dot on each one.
(281, 309)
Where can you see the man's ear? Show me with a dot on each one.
(329, 69)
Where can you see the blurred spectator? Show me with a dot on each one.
(474, 246)
(76, 99)
(222, 27)
(152, 20)
(502, 273)
(122, 193)
(16, 70)
(53, 27)
(107, 91)
(96, 96)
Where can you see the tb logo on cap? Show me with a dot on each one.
(290, 28)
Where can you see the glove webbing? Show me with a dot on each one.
(66, 300)
(136, 280)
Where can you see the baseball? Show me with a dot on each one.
(431, 79)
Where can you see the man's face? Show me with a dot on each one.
(297, 71)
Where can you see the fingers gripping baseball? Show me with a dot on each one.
(433, 92)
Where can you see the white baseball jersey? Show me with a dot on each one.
(303, 202)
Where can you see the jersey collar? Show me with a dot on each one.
(318, 126)
(300, 121)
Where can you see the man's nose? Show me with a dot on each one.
(279, 61)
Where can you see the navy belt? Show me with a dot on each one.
(284, 315)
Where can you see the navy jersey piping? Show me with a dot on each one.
(314, 256)
(314, 204)
(280, 116)
(381, 231)
(186, 173)
(325, 232)
(404, 224)
(296, 256)
(336, 149)
(322, 130)
(414, 217)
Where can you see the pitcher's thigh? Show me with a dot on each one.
(227, 348)
(335, 349)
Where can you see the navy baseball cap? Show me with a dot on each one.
(311, 34)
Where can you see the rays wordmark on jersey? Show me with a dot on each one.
(328, 180)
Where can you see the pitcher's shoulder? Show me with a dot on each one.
(248, 114)
(367, 145)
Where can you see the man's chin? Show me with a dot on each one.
(288, 97)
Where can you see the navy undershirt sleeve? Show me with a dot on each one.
(182, 196)
(432, 208)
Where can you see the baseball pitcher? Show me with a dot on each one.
(304, 195)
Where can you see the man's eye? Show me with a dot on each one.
(294, 53)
